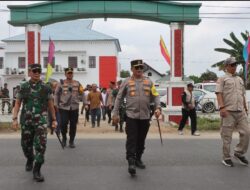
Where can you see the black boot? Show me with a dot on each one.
(29, 164)
(72, 144)
(131, 166)
(37, 174)
(139, 163)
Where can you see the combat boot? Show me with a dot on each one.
(139, 163)
(37, 176)
(131, 166)
(29, 164)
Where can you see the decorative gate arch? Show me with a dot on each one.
(34, 16)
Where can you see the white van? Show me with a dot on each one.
(208, 86)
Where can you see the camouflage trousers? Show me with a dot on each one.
(34, 136)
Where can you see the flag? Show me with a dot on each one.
(164, 50)
(50, 60)
(246, 56)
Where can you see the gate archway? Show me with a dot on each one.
(34, 16)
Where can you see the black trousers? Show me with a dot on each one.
(136, 131)
(185, 115)
(71, 117)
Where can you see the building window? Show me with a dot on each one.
(149, 74)
(1, 62)
(92, 62)
(21, 62)
(45, 62)
(72, 62)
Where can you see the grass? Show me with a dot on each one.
(206, 124)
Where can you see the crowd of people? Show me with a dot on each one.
(127, 101)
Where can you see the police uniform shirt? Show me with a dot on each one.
(138, 93)
(232, 89)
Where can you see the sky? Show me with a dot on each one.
(140, 39)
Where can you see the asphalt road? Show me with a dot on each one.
(181, 164)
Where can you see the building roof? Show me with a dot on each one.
(76, 30)
(148, 67)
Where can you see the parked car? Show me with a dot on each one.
(208, 86)
(205, 101)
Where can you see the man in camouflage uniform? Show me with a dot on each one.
(230, 93)
(138, 91)
(36, 99)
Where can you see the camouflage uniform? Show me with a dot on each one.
(33, 120)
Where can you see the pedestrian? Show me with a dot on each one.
(16, 90)
(86, 104)
(67, 97)
(6, 98)
(188, 110)
(230, 93)
(104, 105)
(95, 99)
(138, 91)
(35, 97)
(110, 101)
(122, 108)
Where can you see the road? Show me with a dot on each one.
(181, 164)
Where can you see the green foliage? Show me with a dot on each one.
(205, 124)
(208, 75)
(196, 79)
(236, 50)
(124, 74)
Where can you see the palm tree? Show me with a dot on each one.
(235, 51)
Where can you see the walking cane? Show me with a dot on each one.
(159, 130)
(59, 139)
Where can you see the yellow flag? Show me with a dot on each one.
(154, 91)
(49, 72)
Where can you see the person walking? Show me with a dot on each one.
(188, 110)
(67, 97)
(35, 97)
(95, 99)
(5, 98)
(230, 93)
(104, 105)
(138, 91)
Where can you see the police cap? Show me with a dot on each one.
(68, 70)
(136, 62)
(190, 85)
(230, 60)
(35, 66)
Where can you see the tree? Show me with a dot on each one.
(235, 51)
(208, 75)
(196, 79)
(124, 74)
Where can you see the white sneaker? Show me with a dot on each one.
(196, 133)
(180, 132)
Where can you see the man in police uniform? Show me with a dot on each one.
(36, 99)
(230, 93)
(138, 91)
(67, 97)
(5, 95)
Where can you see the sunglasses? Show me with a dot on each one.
(37, 71)
(139, 67)
(70, 73)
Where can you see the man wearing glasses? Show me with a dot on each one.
(36, 98)
(138, 91)
(67, 97)
(230, 93)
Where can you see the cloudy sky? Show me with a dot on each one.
(140, 39)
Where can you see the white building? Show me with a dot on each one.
(93, 55)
